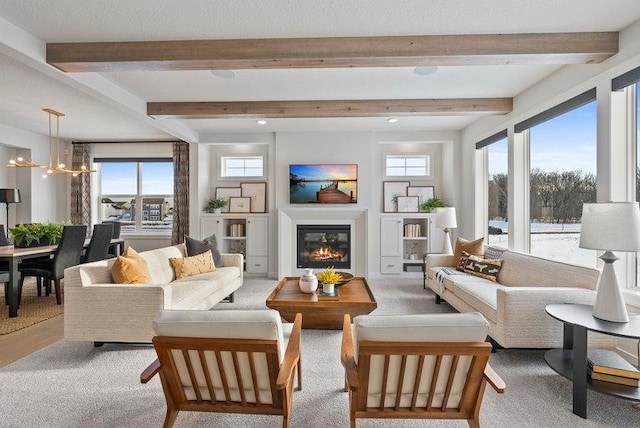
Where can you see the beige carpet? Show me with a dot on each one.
(33, 309)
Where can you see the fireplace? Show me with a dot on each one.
(322, 246)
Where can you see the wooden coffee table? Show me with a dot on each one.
(356, 298)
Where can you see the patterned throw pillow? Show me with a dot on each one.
(463, 261)
(484, 268)
(195, 265)
(130, 268)
(493, 252)
(195, 247)
(472, 247)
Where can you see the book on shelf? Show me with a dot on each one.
(621, 380)
(327, 296)
(608, 362)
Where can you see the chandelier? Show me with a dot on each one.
(51, 168)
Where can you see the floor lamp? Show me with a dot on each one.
(9, 196)
(612, 226)
(446, 218)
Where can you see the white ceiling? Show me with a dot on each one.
(26, 89)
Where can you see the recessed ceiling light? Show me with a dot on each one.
(425, 70)
(392, 120)
(224, 74)
(261, 122)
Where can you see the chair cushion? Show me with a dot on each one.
(194, 265)
(231, 324)
(195, 247)
(130, 268)
(474, 247)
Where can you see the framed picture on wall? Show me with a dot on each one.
(258, 194)
(390, 191)
(407, 204)
(239, 205)
(424, 193)
(226, 193)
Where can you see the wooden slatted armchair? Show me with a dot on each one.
(417, 366)
(226, 361)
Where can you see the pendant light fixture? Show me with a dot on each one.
(51, 168)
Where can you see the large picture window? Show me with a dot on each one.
(138, 193)
(498, 193)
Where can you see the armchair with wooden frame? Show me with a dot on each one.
(231, 361)
(431, 366)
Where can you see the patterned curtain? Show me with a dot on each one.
(180, 192)
(81, 186)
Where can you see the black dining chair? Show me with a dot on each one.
(116, 235)
(4, 274)
(67, 254)
(98, 248)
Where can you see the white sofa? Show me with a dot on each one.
(96, 309)
(515, 304)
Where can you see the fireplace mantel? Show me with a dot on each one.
(290, 218)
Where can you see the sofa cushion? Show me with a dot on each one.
(480, 294)
(158, 261)
(194, 265)
(474, 247)
(130, 269)
(195, 247)
(483, 268)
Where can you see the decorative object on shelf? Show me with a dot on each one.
(215, 205)
(323, 184)
(36, 234)
(430, 205)
(407, 204)
(329, 277)
(391, 191)
(9, 196)
(424, 193)
(51, 168)
(610, 226)
(226, 193)
(239, 205)
(308, 282)
(446, 218)
(258, 194)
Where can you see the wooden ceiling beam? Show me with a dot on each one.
(335, 52)
(329, 108)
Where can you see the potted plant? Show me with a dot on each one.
(329, 278)
(36, 234)
(215, 205)
(431, 204)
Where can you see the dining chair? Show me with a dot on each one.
(116, 235)
(66, 255)
(98, 248)
(236, 361)
(430, 366)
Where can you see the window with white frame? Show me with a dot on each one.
(242, 166)
(408, 165)
(497, 176)
(137, 193)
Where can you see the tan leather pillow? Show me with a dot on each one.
(472, 247)
(194, 265)
(130, 269)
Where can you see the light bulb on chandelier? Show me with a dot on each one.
(50, 168)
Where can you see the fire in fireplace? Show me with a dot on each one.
(322, 246)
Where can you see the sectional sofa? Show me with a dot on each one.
(515, 304)
(96, 309)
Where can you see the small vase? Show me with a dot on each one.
(328, 288)
(217, 210)
(308, 282)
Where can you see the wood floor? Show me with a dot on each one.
(23, 342)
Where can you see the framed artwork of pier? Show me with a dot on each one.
(323, 184)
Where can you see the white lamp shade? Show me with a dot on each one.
(613, 226)
(446, 217)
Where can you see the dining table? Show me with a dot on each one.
(14, 255)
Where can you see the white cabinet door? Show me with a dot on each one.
(257, 237)
(391, 237)
(211, 225)
(436, 237)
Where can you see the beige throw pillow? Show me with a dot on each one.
(195, 265)
(474, 247)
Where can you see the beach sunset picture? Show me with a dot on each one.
(323, 184)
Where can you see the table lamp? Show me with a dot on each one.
(9, 196)
(446, 218)
(610, 226)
